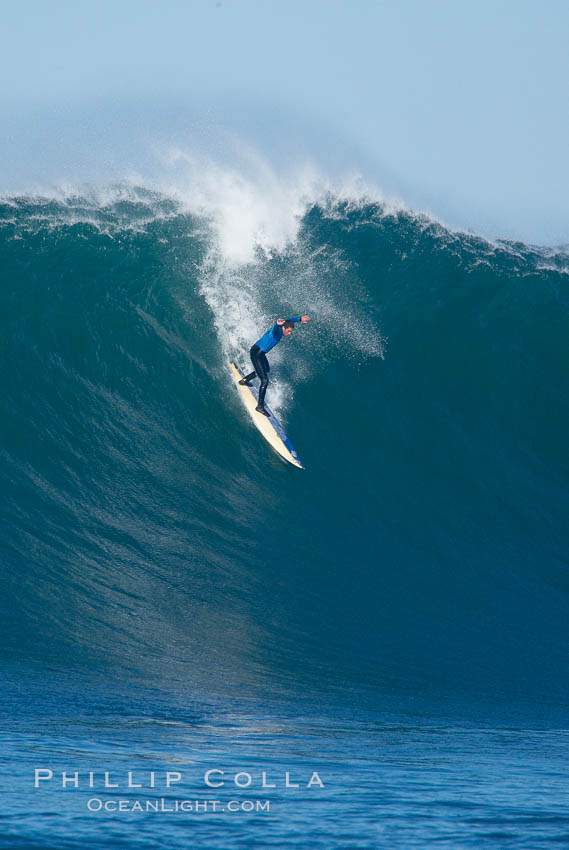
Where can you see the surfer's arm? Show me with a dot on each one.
(297, 319)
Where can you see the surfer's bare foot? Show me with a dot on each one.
(244, 383)
(262, 410)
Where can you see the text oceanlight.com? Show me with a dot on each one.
(163, 805)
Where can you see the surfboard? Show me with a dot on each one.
(269, 426)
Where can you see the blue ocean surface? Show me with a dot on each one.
(386, 630)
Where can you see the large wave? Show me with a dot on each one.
(148, 529)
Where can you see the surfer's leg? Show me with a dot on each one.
(254, 352)
(263, 372)
(261, 364)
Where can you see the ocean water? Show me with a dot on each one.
(387, 628)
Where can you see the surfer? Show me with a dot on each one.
(259, 351)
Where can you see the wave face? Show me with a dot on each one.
(149, 532)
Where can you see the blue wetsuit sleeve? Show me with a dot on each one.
(294, 320)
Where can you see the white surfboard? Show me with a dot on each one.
(269, 426)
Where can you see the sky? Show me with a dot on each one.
(455, 107)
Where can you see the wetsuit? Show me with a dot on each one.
(259, 360)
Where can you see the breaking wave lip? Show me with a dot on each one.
(248, 213)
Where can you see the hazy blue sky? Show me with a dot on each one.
(459, 107)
